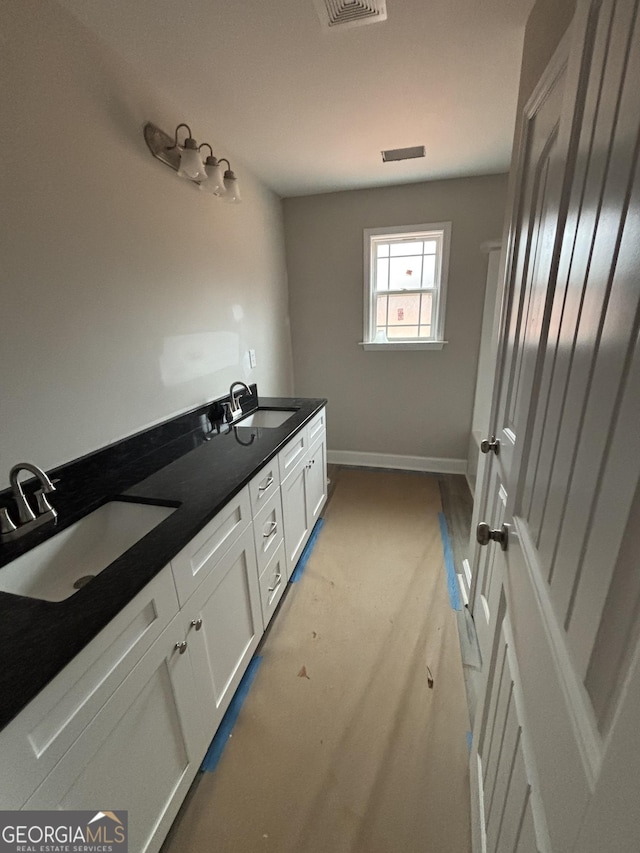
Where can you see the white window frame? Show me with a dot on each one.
(372, 236)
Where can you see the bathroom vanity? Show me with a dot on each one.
(111, 695)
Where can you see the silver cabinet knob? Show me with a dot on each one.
(490, 444)
(181, 647)
(484, 535)
(196, 623)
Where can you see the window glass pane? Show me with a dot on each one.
(429, 271)
(426, 309)
(425, 332)
(383, 250)
(381, 311)
(402, 332)
(411, 247)
(404, 309)
(405, 273)
(430, 247)
(382, 274)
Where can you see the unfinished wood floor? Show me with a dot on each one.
(341, 746)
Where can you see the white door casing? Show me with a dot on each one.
(555, 765)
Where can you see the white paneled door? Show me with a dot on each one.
(556, 763)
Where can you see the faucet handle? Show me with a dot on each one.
(44, 507)
(6, 524)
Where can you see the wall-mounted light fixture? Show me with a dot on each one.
(185, 159)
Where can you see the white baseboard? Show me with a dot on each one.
(432, 464)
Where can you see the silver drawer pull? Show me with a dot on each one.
(272, 529)
(196, 623)
(276, 581)
(266, 485)
(182, 647)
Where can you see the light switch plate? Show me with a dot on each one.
(252, 358)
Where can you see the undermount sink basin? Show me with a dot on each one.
(267, 418)
(59, 567)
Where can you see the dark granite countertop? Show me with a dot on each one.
(174, 464)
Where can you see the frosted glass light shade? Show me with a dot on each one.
(191, 166)
(232, 188)
(215, 178)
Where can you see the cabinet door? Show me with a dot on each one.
(140, 753)
(223, 624)
(33, 743)
(295, 512)
(317, 480)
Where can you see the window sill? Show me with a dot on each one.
(402, 345)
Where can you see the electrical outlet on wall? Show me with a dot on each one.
(252, 358)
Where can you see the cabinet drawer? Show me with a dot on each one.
(268, 530)
(199, 557)
(317, 426)
(273, 582)
(291, 455)
(263, 485)
(36, 740)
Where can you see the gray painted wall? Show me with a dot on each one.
(126, 295)
(408, 403)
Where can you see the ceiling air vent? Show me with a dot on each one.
(350, 13)
(392, 154)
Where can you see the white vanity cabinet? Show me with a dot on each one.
(127, 722)
(295, 511)
(34, 742)
(140, 752)
(317, 478)
(222, 625)
(304, 487)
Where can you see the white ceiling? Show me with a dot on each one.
(309, 110)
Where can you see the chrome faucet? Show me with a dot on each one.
(235, 409)
(27, 519)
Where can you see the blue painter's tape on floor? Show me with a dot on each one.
(217, 745)
(308, 548)
(452, 580)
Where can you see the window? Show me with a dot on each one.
(405, 286)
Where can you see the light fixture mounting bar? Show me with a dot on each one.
(162, 146)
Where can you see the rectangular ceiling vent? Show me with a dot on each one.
(350, 13)
(392, 154)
